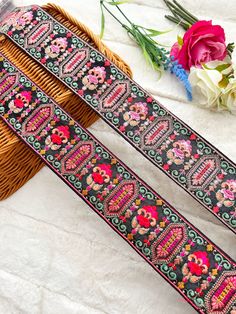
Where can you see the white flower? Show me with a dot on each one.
(214, 85)
(205, 86)
(229, 97)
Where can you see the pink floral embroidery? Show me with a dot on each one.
(101, 175)
(59, 136)
(226, 195)
(145, 219)
(20, 102)
(136, 113)
(181, 150)
(197, 265)
(95, 76)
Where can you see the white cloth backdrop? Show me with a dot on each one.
(56, 255)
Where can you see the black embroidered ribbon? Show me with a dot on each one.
(201, 272)
(186, 157)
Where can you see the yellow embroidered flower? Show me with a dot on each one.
(159, 202)
(181, 285)
(187, 247)
(115, 181)
(130, 236)
(162, 224)
(214, 271)
(209, 247)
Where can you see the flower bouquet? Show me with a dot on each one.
(155, 54)
(204, 54)
(200, 59)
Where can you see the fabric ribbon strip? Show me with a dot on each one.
(202, 273)
(187, 158)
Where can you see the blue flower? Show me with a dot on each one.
(177, 69)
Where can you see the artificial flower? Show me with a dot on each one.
(202, 42)
(214, 86)
(205, 87)
(155, 53)
(229, 97)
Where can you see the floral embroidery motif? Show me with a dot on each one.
(23, 20)
(175, 249)
(135, 114)
(197, 265)
(227, 194)
(20, 102)
(181, 151)
(95, 76)
(162, 137)
(145, 219)
(56, 47)
(101, 175)
(59, 136)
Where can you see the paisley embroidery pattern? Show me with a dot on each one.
(37, 36)
(7, 82)
(168, 243)
(72, 65)
(161, 137)
(203, 172)
(114, 96)
(223, 295)
(37, 121)
(120, 198)
(203, 274)
(77, 158)
(155, 134)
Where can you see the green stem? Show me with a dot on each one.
(125, 16)
(168, 4)
(194, 18)
(181, 14)
(178, 21)
(102, 3)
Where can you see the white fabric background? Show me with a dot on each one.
(56, 255)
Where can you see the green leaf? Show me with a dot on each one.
(147, 56)
(222, 67)
(102, 22)
(154, 32)
(117, 2)
(180, 40)
(219, 68)
(224, 82)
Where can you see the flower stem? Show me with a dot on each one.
(109, 11)
(125, 16)
(158, 57)
(193, 17)
(177, 21)
(180, 14)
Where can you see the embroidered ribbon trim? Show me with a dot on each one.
(186, 157)
(202, 273)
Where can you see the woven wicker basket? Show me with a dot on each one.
(17, 162)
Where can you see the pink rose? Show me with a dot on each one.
(203, 42)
